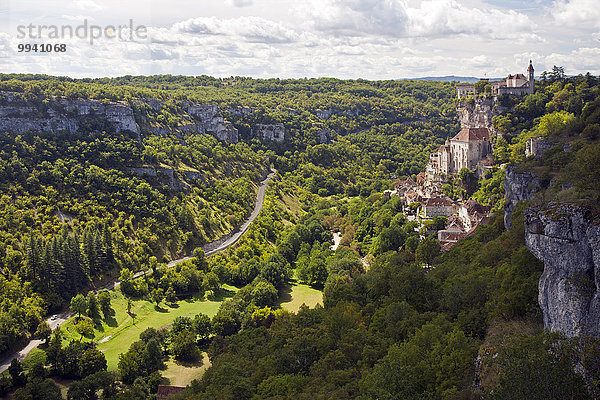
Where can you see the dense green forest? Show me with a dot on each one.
(399, 319)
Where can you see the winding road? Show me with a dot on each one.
(209, 250)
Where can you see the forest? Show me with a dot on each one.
(399, 318)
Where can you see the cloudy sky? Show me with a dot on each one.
(372, 39)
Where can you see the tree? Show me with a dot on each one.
(43, 331)
(202, 326)
(92, 360)
(130, 363)
(152, 357)
(104, 301)
(170, 295)
(427, 250)
(93, 310)
(199, 259)
(39, 389)
(540, 367)
(411, 243)
(16, 372)
(211, 281)
(558, 73)
(85, 328)
(274, 272)
(264, 294)
(183, 346)
(182, 323)
(157, 296)
(79, 305)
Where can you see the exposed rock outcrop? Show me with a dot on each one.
(212, 123)
(61, 115)
(272, 132)
(478, 114)
(517, 187)
(567, 241)
(324, 135)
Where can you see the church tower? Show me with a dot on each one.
(530, 78)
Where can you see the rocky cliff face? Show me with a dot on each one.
(272, 132)
(517, 187)
(212, 123)
(60, 115)
(478, 114)
(567, 241)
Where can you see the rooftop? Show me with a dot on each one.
(472, 135)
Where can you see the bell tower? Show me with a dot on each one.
(530, 78)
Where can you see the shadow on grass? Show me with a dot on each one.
(110, 321)
(191, 363)
(173, 305)
(98, 325)
(285, 294)
(160, 309)
(219, 294)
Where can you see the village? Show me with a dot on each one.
(471, 148)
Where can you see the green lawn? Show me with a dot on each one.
(114, 335)
(181, 374)
(293, 296)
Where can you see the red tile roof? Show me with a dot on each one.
(472, 135)
(439, 201)
(165, 392)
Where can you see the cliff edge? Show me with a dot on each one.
(567, 240)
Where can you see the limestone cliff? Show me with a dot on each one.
(270, 132)
(57, 115)
(567, 240)
(478, 114)
(517, 187)
(20, 114)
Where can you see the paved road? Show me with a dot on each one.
(20, 355)
(209, 249)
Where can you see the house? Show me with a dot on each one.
(166, 392)
(465, 90)
(454, 230)
(438, 206)
(537, 147)
(471, 214)
(403, 186)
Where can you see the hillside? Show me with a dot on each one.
(138, 175)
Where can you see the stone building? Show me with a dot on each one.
(438, 206)
(470, 148)
(517, 84)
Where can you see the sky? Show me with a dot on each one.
(369, 39)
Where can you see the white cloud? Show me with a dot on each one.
(240, 3)
(252, 29)
(577, 61)
(448, 17)
(87, 5)
(375, 39)
(395, 18)
(577, 12)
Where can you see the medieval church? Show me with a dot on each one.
(472, 148)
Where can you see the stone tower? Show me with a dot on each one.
(530, 78)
